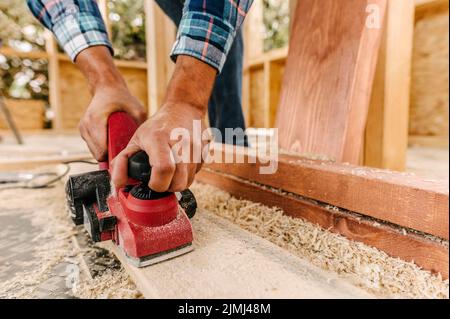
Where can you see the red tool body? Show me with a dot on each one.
(148, 226)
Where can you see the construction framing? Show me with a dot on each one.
(403, 215)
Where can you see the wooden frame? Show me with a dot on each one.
(386, 137)
(405, 200)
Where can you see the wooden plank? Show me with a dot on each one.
(428, 254)
(228, 262)
(35, 54)
(405, 200)
(104, 10)
(386, 139)
(75, 95)
(160, 35)
(54, 87)
(27, 114)
(330, 68)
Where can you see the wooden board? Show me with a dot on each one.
(27, 114)
(75, 96)
(328, 78)
(229, 262)
(428, 254)
(386, 139)
(405, 200)
(430, 72)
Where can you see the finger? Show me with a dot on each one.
(97, 131)
(180, 178)
(119, 165)
(163, 165)
(90, 144)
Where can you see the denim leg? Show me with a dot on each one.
(172, 8)
(225, 104)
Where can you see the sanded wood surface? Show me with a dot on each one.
(402, 199)
(386, 139)
(329, 75)
(428, 254)
(229, 262)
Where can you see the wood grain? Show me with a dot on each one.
(328, 78)
(402, 199)
(428, 254)
(228, 262)
(386, 139)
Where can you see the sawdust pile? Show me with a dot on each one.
(366, 266)
(47, 211)
(111, 284)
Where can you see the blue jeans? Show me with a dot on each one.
(225, 104)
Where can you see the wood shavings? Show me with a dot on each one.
(48, 213)
(366, 266)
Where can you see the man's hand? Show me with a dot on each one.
(110, 94)
(186, 101)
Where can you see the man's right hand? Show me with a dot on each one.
(110, 94)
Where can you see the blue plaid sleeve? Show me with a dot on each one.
(76, 24)
(207, 29)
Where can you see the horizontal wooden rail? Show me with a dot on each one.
(402, 199)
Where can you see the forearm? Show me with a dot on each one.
(97, 65)
(191, 83)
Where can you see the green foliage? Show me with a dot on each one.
(276, 23)
(18, 28)
(128, 28)
(21, 78)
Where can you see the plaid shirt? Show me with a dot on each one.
(206, 31)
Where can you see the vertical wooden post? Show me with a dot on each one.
(253, 47)
(104, 10)
(53, 80)
(160, 36)
(386, 139)
(292, 6)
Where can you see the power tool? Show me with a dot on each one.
(149, 226)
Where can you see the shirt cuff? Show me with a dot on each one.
(205, 37)
(81, 30)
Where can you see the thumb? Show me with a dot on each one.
(119, 165)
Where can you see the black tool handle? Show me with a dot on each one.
(139, 167)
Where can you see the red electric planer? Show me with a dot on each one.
(150, 227)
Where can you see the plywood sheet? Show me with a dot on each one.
(329, 75)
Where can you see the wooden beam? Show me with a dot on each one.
(104, 10)
(328, 80)
(407, 201)
(54, 88)
(386, 139)
(228, 262)
(160, 35)
(253, 48)
(35, 54)
(428, 254)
